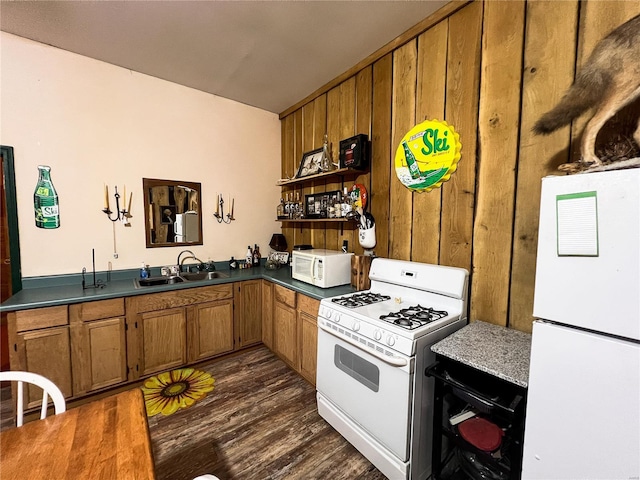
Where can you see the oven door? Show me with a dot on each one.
(373, 393)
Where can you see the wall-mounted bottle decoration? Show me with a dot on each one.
(45, 200)
(427, 155)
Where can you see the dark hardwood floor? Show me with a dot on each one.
(260, 422)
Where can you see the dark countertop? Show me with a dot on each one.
(499, 351)
(67, 289)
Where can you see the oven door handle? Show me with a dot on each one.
(395, 361)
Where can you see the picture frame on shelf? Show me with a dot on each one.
(311, 163)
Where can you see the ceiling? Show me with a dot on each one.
(268, 54)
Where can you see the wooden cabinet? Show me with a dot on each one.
(167, 330)
(247, 316)
(92, 346)
(210, 329)
(308, 336)
(98, 345)
(285, 331)
(39, 343)
(285, 334)
(162, 340)
(267, 313)
(295, 331)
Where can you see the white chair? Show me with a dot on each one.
(48, 387)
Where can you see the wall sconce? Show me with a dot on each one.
(219, 215)
(123, 214)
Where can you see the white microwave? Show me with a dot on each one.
(320, 267)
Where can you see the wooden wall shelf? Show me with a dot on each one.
(341, 172)
(313, 220)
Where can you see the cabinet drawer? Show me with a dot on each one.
(182, 298)
(41, 318)
(284, 295)
(308, 305)
(86, 312)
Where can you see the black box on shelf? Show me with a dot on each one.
(354, 152)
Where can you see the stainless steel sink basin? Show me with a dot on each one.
(183, 277)
(196, 276)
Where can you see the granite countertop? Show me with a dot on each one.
(499, 351)
(67, 289)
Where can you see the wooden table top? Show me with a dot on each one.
(104, 439)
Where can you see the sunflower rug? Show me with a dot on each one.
(168, 392)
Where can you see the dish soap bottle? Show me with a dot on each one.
(144, 271)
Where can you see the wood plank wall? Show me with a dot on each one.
(490, 69)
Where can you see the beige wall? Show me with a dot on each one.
(96, 123)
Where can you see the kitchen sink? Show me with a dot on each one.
(196, 276)
(183, 277)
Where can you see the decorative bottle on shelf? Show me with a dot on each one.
(299, 210)
(414, 170)
(256, 255)
(287, 207)
(249, 257)
(325, 160)
(45, 200)
(280, 210)
(346, 202)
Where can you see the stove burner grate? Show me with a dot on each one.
(360, 299)
(414, 317)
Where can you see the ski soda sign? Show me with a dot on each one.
(427, 155)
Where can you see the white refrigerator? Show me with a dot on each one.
(583, 403)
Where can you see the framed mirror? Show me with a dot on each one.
(172, 213)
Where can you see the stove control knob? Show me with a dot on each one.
(328, 313)
(336, 317)
(355, 326)
(390, 341)
(377, 335)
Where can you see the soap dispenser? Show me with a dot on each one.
(144, 270)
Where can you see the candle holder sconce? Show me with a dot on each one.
(121, 215)
(219, 215)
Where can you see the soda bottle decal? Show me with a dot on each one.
(411, 162)
(45, 200)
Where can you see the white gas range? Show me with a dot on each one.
(373, 348)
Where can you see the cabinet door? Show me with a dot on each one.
(46, 352)
(248, 317)
(285, 336)
(267, 313)
(210, 329)
(308, 342)
(163, 340)
(99, 355)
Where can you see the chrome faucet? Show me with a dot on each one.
(191, 255)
